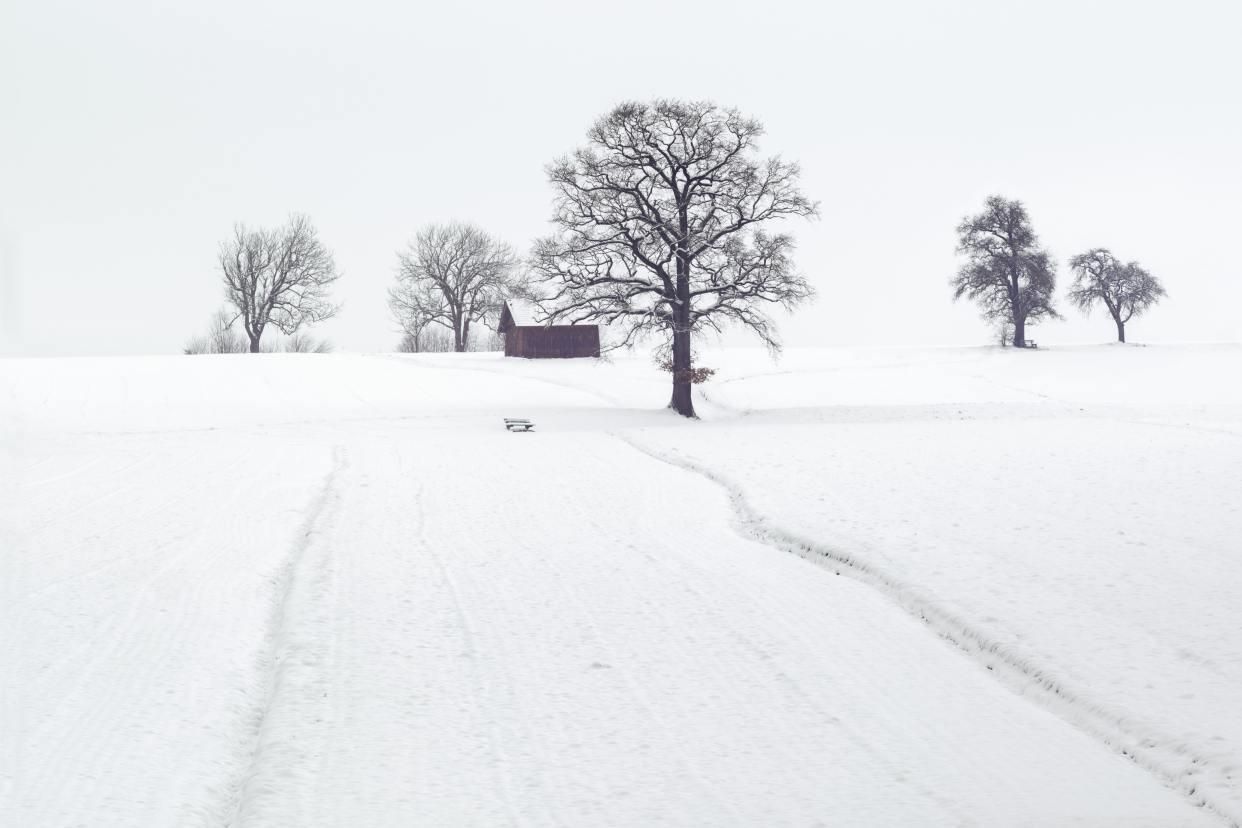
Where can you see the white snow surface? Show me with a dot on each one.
(879, 587)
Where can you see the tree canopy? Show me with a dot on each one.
(662, 228)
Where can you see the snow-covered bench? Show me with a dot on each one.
(518, 424)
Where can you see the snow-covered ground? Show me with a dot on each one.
(883, 587)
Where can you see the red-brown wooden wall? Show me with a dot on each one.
(552, 342)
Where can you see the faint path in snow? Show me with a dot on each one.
(297, 645)
(500, 371)
(1177, 764)
(480, 687)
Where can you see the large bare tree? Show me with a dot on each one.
(1006, 271)
(1127, 290)
(661, 219)
(451, 275)
(278, 277)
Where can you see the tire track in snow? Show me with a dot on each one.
(480, 691)
(650, 705)
(1178, 765)
(291, 658)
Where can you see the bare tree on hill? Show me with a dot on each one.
(1126, 290)
(433, 341)
(304, 343)
(453, 275)
(1006, 271)
(278, 277)
(661, 221)
(220, 338)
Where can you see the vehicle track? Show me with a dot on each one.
(1176, 764)
(290, 658)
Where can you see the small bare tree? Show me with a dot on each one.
(451, 275)
(660, 219)
(304, 343)
(489, 342)
(220, 338)
(1006, 271)
(1127, 290)
(437, 340)
(408, 344)
(413, 305)
(278, 277)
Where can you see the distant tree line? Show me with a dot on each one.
(440, 341)
(664, 227)
(1013, 278)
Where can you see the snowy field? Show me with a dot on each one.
(881, 587)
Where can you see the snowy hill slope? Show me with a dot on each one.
(332, 590)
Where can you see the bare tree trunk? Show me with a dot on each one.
(1121, 330)
(459, 344)
(1015, 302)
(683, 401)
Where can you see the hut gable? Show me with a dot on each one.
(514, 314)
(526, 338)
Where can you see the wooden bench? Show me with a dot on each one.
(513, 424)
(1030, 343)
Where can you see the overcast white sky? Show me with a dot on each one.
(134, 134)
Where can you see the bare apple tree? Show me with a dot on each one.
(451, 275)
(1006, 271)
(660, 219)
(278, 277)
(1127, 290)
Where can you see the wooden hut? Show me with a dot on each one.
(526, 338)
